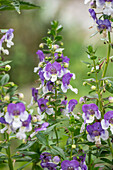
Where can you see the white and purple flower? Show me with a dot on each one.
(72, 165)
(66, 83)
(90, 111)
(96, 132)
(103, 25)
(42, 103)
(108, 121)
(52, 71)
(15, 115)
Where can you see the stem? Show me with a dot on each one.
(89, 159)
(56, 113)
(10, 163)
(108, 55)
(71, 147)
(111, 148)
(98, 90)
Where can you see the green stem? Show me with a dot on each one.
(10, 163)
(89, 159)
(98, 90)
(56, 113)
(108, 55)
(71, 147)
(111, 148)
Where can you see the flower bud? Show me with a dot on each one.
(106, 81)
(111, 99)
(93, 87)
(81, 100)
(41, 64)
(66, 65)
(84, 83)
(41, 45)
(88, 66)
(21, 96)
(34, 119)
(11, 83)
(88, 73)
(73, 146)
(7, 98)
(7, 67)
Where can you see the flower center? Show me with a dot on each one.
(16, 112)
(111, 120)
(25, 123)
(91, 112)
(53, 70)
(70, 168)
(96, 133)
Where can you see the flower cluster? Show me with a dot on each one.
(7, 37)
(47, 162)
(16, 120)
(104, 10)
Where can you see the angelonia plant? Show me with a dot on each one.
(51, 133)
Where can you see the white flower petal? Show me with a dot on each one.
(97, 140)
(39, 111)
(36, 69)
(91, 119)
(24, 116)
(54, 77)
(21, 135)
(86, 1)
(98, 114)
(46, 76)
(90, 139)
(3, 130)
(50, 111)
(64, 88)
(105, 135)
(75, 90)
(8, 118)
(82, 128)
(16, 124)
(104, 124)
(111, 128)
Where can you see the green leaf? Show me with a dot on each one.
(16, 5)
(4, 63)
(109, 86)
(24, 165)
(58, 151)
(42, 138)
(26, 146)
(58, 38)
(106, 160)
(4, 79)
(59, 28)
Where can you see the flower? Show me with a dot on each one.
(92, 13)
(35, 94)
(48, 162)
(40, 55)
(103, 25)
(26, 127)
(41, 75)
(42, 103)
(42, 127)
(48, 87)
(70, 165)
(66, 83)
(90, 111)
(108, 121)
(96, 132)
(52, 71)
(16, 114)
(81, 160)
(71, 105)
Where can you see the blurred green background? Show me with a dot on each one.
(32, 25)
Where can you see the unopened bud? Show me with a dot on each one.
(88, 73)
(34, 119)
(7, 67)
(81, 100)
(55, 46)
(111, 99)
(66, 65)
(41, 45)
(21, 96)
(106, 81)
(57, 82)
(11, 83)
(73, 146)
(88, 66)
(61, 44)
(7, 98)
(84, 83)
(93, 87)
(109, 84)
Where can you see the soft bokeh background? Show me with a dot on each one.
(32, 25)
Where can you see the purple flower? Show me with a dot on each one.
(92, 13)
(40, 55)
(47, 162)
(108, 121)
(70, 165)
(81, 160)
(35, 94)
(2, 120)
(52, 71)
(103, 25)
(49, 87)
(41, 75)
(16, 114)
(95, 132)
(43, 107)
(42, 127)
(71, 105)
(90, 111)
(66, 83)
(65, 59)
